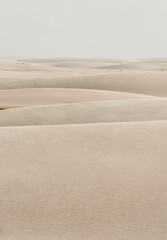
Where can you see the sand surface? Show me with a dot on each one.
(89, 112)
(45, 96)
(83, 149)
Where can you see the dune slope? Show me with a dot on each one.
(45, 96)
(98, 181)
(141, 82)
(89, 112)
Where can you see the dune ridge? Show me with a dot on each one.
(88, 112)
(143, 82)
(45, 96)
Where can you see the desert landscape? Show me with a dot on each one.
(83, 149)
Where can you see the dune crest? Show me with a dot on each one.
(89, 112)
(46, 96)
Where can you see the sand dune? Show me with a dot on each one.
(90, 112)
(45, 96)
(138, 76)
(113, 64)
(151, 83)
(98, 181)
(83, 148)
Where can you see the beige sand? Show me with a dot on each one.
(125, 75)
(97, 181)
(90, 112)
(143, 82)
(95, 167)
(45, 96)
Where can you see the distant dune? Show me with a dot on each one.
(83, 149)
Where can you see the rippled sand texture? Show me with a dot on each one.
(83, 149)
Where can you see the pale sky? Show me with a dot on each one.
(83, 28)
